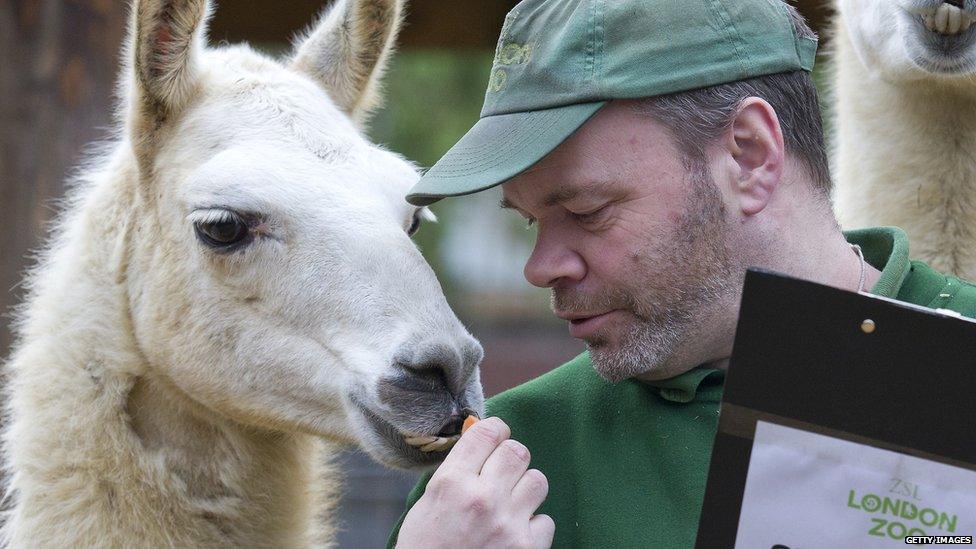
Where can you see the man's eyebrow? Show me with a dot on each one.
(562, 195)
(554, 198)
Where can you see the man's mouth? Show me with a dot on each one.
(583, 326)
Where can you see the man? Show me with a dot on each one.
(660, 148)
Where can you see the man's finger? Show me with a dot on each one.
(543, 529)
(506, 465)
(474, 447)
(529, 492)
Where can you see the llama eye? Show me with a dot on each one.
(221, 229)
(415, 225)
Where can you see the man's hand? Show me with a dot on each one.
(481, 496)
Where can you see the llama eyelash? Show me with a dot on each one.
(211, 216)
(258, 226)
(427, 215)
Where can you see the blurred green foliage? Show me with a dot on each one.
(433, 97)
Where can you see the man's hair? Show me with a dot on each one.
(695, 118)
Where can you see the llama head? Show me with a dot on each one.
(913, 39)
(271, 276)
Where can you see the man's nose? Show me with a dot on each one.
(553, 262)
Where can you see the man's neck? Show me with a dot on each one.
(807, 245)
(813, 249)
(823, 255)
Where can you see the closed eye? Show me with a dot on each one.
(590, 216)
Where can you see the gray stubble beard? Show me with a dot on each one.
(704, 274)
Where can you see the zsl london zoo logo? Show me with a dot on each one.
(901, 512)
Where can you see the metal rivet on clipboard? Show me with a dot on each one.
(868, 326)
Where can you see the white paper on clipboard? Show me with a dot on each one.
(806, 490)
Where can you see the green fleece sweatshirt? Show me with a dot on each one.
(627, 462)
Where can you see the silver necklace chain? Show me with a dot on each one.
(860, 255)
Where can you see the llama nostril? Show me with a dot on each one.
(436, 362)
(428, 374)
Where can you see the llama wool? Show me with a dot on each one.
(905, 121)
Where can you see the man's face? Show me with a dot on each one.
(633, 241)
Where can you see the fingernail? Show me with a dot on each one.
(494, 424)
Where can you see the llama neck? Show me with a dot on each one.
(905, 155)
(246, 484)
(103, 451)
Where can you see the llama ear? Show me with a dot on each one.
(166, 38)
(347, 52)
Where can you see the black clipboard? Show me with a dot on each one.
(856, 367)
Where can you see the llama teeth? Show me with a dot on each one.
(955, 20)
(942, 18)
(433, 446)
(948, 20)
(420, 440)
(442, 443)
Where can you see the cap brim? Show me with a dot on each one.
(497, 149)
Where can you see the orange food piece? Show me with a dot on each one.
(468, 422)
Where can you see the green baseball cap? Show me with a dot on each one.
(559, 61)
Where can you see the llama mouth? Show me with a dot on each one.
(417, 448)
(431, 443)
(444, 440)
(942, 44)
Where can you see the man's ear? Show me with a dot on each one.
(755, 142)
(347, 52)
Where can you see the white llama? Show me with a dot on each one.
(905, 101)
(232, 285)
